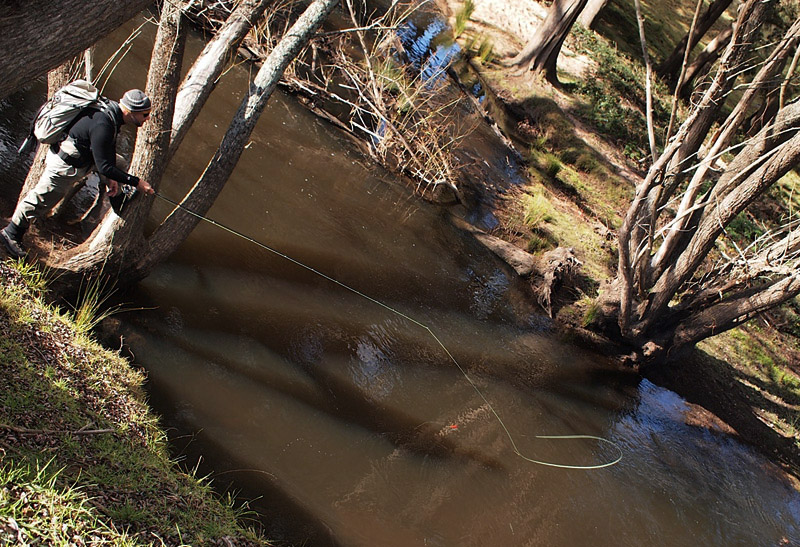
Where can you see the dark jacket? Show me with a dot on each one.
(95, 136)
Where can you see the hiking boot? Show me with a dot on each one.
(12, 245)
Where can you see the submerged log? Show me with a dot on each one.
(548, 272)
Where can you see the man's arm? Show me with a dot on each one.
(105, 156)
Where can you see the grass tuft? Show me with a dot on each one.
(93, 306)
(463, 17)
(536, 210)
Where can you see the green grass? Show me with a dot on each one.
(115, 485)
(765, 360)
(462, 17)
(614, 95)
(36, 509)
(761, 359)
(93, 305)
(591, 310)
(536, 210)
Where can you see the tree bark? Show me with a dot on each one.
(179, 224)
(734, 311)
(700, 218)
(590, 12)
(702, 63)
(683, 228)
(780, 160)
(668, 70)
(207, 68)
(56, 78)
(750, 18)
(37, 36)
(540, 54)
(119, 239)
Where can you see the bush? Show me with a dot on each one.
(552, 166)
(536, 210)
(587, 163)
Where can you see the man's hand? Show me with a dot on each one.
(145, 187)
(113, 188)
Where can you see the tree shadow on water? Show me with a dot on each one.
(717, 386)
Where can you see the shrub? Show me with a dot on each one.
(552, 166)
(536, 210)
(587, 163)
(537, 243)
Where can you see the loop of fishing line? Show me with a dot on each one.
(609, 463)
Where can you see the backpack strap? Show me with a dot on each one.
(69, 160)
(106, 106)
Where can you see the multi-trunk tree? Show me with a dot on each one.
(674, 287)
(118, 246)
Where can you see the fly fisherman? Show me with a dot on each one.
(90, 144)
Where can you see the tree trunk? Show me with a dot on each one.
(702, 63)
(668, 171)
(734, 311)
(36, 36)
(669, 69)
(781, 156)
(682, 295)
(540, 54)
(751, 16)
(207, 68)
(56, 78)
(179, 224)
(590, 12)
(683, 230)
(121, 238)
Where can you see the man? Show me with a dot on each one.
(90, 144)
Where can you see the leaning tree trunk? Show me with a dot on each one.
(668, 70)
(669, 170)
(704, 60)
(590, 12)
(36, 36)
(117, 245)
(540, 54)
(120, 239)
(687, 213)
(751, 15)
(207, 68)
(763, 162)
(639, 271)
(179, 224)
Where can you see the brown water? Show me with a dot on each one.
(347, 424)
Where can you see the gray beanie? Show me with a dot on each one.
(135, 100)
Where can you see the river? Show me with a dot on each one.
(323, 396)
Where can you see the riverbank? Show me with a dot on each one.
(749, 378)
(82, 458)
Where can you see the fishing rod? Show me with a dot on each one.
(613, 461)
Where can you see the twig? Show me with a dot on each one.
(81, 431)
